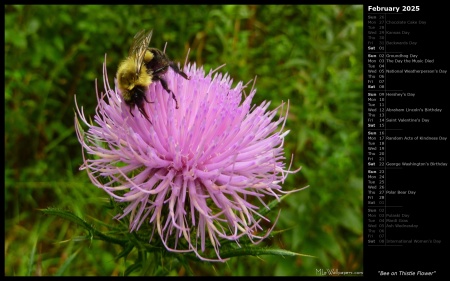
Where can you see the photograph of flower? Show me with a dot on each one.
(222, 140)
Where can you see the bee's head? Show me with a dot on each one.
(136, 96)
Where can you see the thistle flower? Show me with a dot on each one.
(198, 173)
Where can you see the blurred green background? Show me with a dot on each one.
(309, 55)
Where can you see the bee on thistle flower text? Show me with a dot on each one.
(143, 66)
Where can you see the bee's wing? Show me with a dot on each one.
(139, 47)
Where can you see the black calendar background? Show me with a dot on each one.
(427, 208)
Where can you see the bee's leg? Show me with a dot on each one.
(164, 84)
(131, 112)
(177, 70)
(145, 98)
(139, 97)
(141, 109)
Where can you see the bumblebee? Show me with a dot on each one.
(143, 66)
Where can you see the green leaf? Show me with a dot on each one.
(89, 227)
(68, 216)
(132, 268)
(255, 251)
(272, 204)
(127, 249)
(351, 220)
(67, 263)
(31, 261)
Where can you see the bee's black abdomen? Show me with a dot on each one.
(158, 65)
